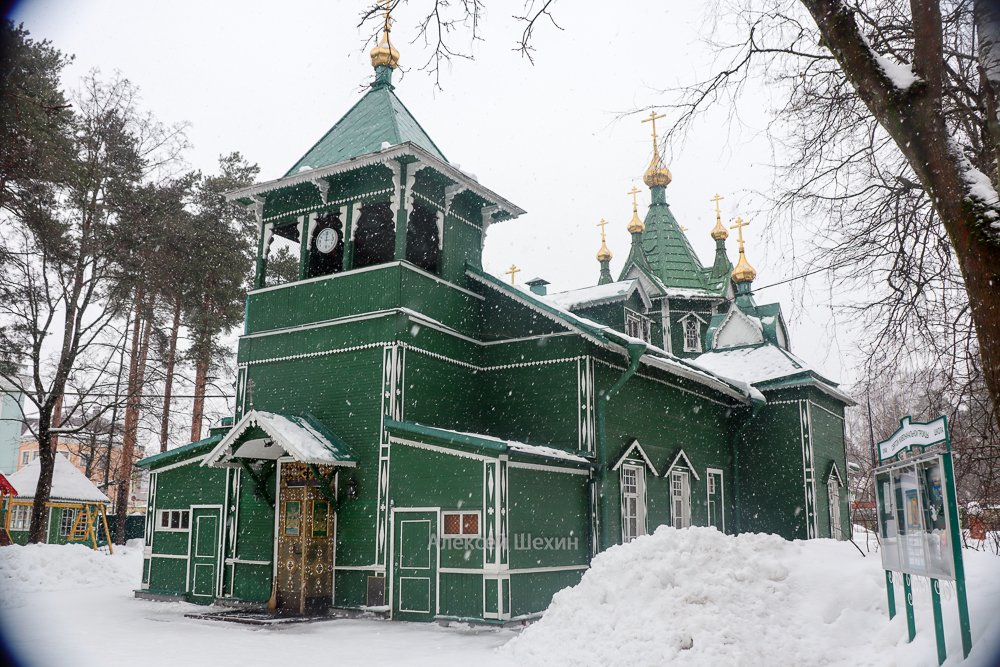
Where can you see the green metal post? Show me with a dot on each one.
(938, 622)
(956, 546)
(890, 591)
(911, 627)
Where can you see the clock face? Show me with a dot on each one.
(326, 240)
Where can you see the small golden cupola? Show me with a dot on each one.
(657, 174)
(384, 54)
(604, 254)
(719, 232)
(635, 225)
(743, 272)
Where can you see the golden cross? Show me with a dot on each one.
(634, 191)
(602, 224)
(717, 199)
(653, 117)
(740, 224)
(511, 272)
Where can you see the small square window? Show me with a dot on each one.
(174, 520)
(452, 524)
(460, 524)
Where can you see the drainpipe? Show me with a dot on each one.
(635, 352)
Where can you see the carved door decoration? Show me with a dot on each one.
(305, 541)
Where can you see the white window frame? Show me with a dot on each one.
(719, 494)
(833, 501)
(181, 514)
(680, 519)
(66, 527)
(20, 518)
(638, 495)
(25, 458)
(692, 330)
(461, 524)
(638, 325)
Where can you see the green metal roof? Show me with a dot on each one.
(378, 117)
(485, 445)
(190, 450)
(668, 251)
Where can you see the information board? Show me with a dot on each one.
(913, 518)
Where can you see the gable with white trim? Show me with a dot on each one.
(634, 452)
(738, 329)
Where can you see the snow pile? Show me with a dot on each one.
(698, 597)
(25, 570)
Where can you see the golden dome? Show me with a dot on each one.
(743, 272)
(635, 225)
(657, 175)
(604, 254)
(719, 232)
(385, 54)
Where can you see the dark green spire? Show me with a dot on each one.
(670, 255)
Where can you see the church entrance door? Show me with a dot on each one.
(306, 527)
(414, 564)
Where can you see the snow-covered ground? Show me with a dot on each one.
(749, 600)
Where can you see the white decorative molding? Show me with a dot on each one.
(411, 179)
(258, 208)
(395, 199)
(323, 186)
(439, 221)
(333, 202)
(487, 214)
(681, 460)
(312, 227)
(268, 237)
(355, 216)
(736, 329)
(633, 450)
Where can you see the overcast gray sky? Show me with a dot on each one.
(268, 79)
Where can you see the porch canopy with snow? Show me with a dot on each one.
(270, 436)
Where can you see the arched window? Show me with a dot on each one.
(374, 236)
(326, 247)
(692, 335)
(423, 239)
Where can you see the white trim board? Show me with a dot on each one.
(642, 453)
(687, 465)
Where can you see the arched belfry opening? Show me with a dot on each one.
(374, 236)
(326, 246)
(423, 238)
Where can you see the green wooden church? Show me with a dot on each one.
(418, 438)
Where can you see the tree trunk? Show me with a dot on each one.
(913, 118)
(39, 517)
(168, 383)
(200, 380)
(136, 375)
